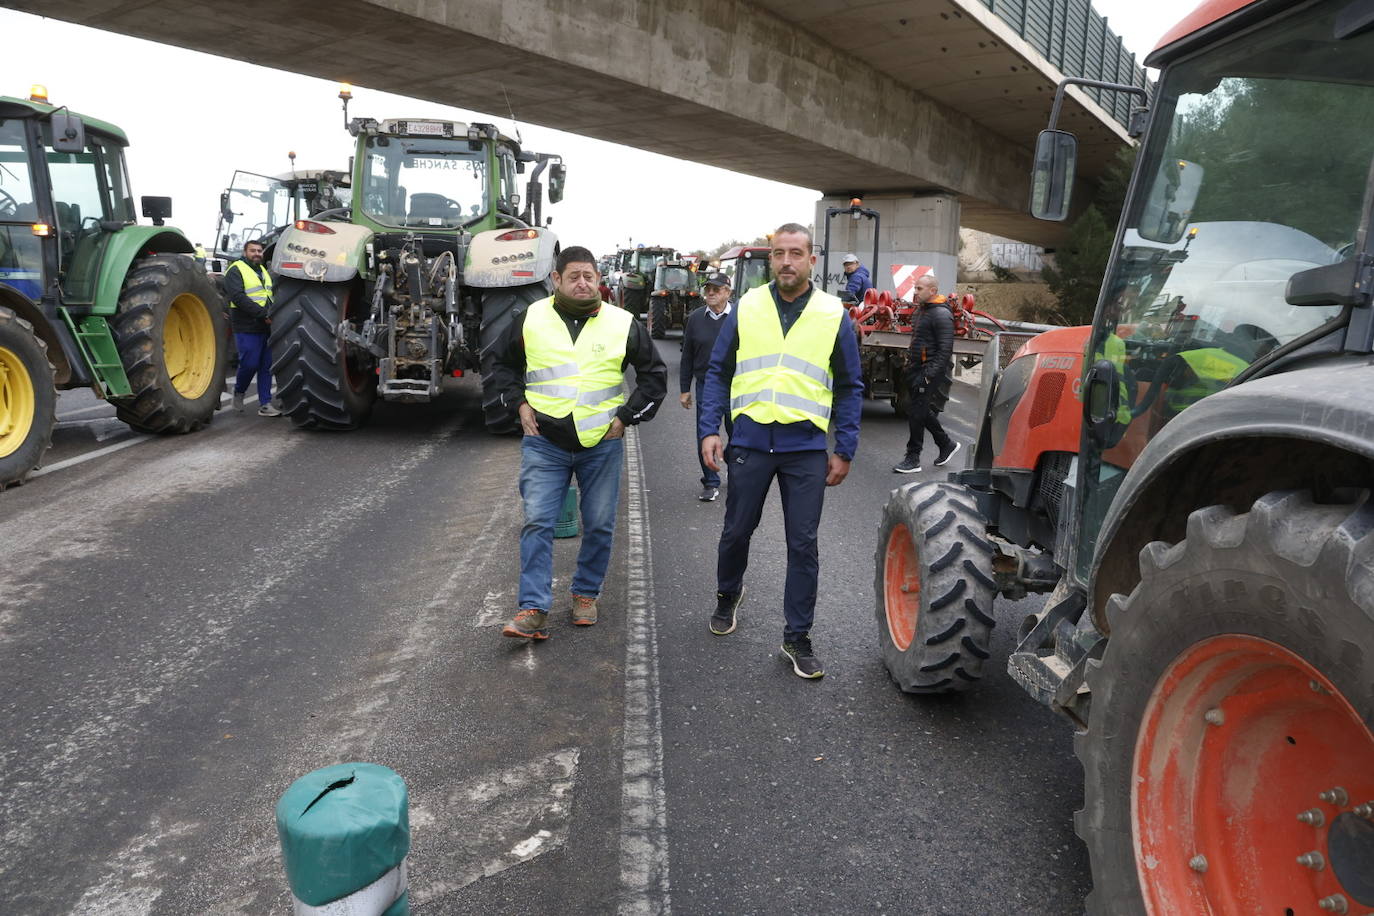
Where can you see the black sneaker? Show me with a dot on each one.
(911, 464)
(947, 453)
(723, 620)
(708, 494)
(804, 661)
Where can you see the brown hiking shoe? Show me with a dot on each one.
(528, 624)
(583, 610)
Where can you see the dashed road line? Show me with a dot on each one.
(644, 887)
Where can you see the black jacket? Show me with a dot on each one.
(930, 356)
(651, 377)
(245, 315)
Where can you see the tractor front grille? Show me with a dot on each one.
(1054, 471)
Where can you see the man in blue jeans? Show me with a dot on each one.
(562, 363)
(248, 287)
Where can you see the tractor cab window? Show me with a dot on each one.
(21, 257)
(647, 263)
(674, 278)
(255, 208)
(752, 272)
(508, 192)
(423, 182)
(84, 191)
(1261, 174)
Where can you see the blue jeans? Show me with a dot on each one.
(255, 358)
(545, 471)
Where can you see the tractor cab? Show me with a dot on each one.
(747, 267)
(259, 208)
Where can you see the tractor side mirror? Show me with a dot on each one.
(1056, 159)
(68, 133)
(225, 212)
(558, 174)
(157, 209)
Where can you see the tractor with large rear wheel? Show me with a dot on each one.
(413, 281)
(89, 298)
(1189, 481)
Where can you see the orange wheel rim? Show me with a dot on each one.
(902, 587)
(1248, 761)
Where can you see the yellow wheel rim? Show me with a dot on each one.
(188, 346)
(17, 403)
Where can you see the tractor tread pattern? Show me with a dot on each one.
(18, 469)
(155, 406)
(309, 374)
(954, 623)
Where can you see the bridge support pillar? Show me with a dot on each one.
(920, 230)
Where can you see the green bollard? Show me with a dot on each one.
(567, 524)
(345, 832)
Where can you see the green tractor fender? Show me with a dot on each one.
(126, 246)
(501, 258)
(323, 257)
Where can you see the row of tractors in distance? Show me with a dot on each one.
(89, 298)
(1188, 480)
(416, 276)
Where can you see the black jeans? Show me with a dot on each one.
(801, 483)
(919, 418)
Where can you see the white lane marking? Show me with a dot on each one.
(643, 806)
(74, 412)
(484, 825)
(100, 452)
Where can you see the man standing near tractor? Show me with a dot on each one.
(858, 281)
(248, 287)
(785, 363)
(698, 340)
(562, 361)
(926, 375)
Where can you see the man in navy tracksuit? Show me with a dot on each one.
(772, 370)
(698, 338)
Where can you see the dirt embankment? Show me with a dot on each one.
(1004, 300)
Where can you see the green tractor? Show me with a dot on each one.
(417, 278)
(674, 294)
(637, 269)
(88, 298)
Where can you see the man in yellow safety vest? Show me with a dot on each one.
(784, 366)
(562, 363)
(248, 287)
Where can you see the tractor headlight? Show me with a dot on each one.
(1011, 387)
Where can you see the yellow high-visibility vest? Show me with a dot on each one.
(785, 378)
(1213, 368)
(584, 378)
(259, 289)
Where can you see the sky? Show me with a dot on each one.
(615, 196)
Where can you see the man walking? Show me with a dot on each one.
(248, 286)
(698, 338)
(785, 363)
(562, 362)
(858, 279)
(926, 375)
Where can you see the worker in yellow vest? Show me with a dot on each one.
(562, 363)
(248, 287)
(785, 368)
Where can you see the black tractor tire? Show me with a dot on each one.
(320, 384)
(658, 319)
(499, 308)
(934, 588)
(28, 397)
(171, 334)
(1293, 573)
(634, 301)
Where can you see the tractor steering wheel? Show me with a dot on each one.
(341, 213)
(9, 207)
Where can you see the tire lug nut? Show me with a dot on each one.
(1313, 817)
(1214, 717)
(1336, 903)
(1312, 860)
(1365, 810)
(1336, 796)
(1198, 863)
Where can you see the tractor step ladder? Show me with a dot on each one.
(98, 346)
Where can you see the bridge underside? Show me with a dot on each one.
(724, 82)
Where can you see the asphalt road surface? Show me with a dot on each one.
(188, 624)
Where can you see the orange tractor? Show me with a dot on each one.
(1189, 480)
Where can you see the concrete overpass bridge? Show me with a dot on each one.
(926, 108)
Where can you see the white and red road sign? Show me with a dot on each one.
(904, 277)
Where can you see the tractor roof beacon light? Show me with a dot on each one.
(38, 93)
(345, 95)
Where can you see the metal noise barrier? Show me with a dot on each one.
(345, 833)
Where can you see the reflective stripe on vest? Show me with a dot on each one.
(785, 378)
(583, 378)
(259, 289)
